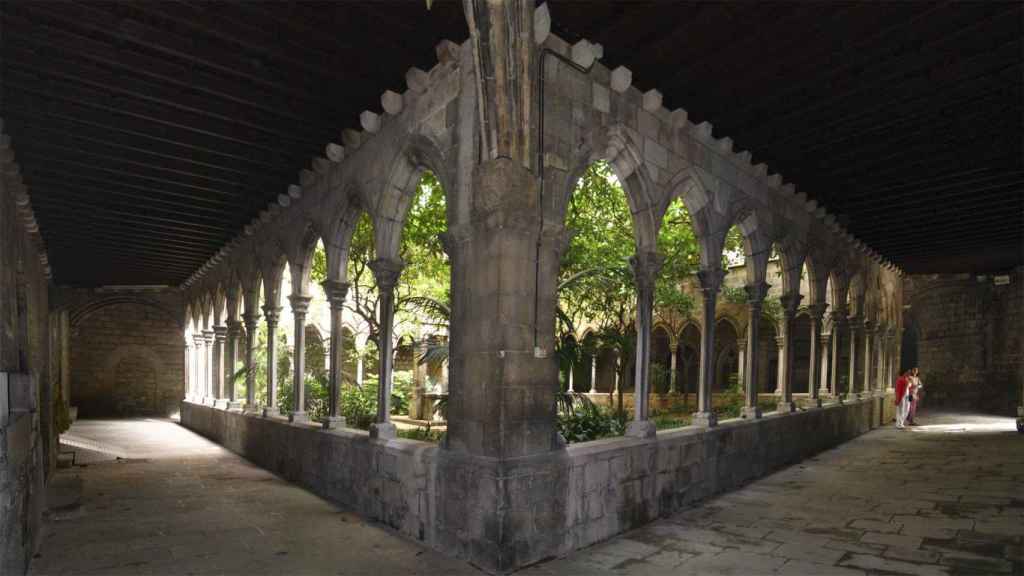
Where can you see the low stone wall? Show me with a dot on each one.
(386, 481)
(621, 483)
(591, 492)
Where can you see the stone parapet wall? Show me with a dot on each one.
(600, 488)
(386, 481)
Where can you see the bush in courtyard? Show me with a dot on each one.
(580, 420)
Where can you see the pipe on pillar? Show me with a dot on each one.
(646, 266)
(755, 299)
(272, 314)
(386, 271)
(790, 302)
(710, 283)
(817, 313)
(336, 294)
(250, 319)
(300, 305)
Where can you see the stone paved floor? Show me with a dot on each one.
(178, 504)
(946, 497)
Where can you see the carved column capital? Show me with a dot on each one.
(299, 304)
(756, 293)
(272, 314)
(209, 336)
(220, 333)
(790, 303)
(817, 311)
(646, 266)
(711, 279)
(199, 340)
(336, 293)
(387, 272)
(250, 319)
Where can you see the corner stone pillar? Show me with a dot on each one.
(855, 327)
(645, 272)
(272, 315)
(386, 271)
(790, 302)
(710, 283)
(251, 321)
(336, 294)
(817, 313)
(300, 304)
(755, 299)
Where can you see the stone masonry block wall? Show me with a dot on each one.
(389, 482)
(127, 353)
(970, 346)
(601, 488)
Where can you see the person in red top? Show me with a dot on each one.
(902, 399)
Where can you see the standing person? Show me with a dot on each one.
(902, 399)
(915, 394)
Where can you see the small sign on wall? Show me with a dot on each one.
(1001, 280)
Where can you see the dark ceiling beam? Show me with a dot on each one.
(973, 179)
(24, 30)
(134, 259)
(193, 110)
(966, 204)
(76, 190)
(109, 134)
(61, 175)
(155, 240)
(65, 222)
(143, 214)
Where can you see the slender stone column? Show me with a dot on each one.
(790, 302)
(741, 357)
(893, 361)
(593, 373)
(300, 304)
(188, 370)
(825, 345)
(673, 363)
(869, 385)
(231, 363)
(817, 312)
(336, 294)
(855, 326)
(645, 272)
(883, 355)
(209, 367)
(272, 315)
(838, 325)
(251, 320)
(780, 364)
(755, 299)
(386, 271)
(199, 345)
(571, 390)
(710, 283)
(220, 335)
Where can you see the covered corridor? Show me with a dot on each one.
(939, 499)
(155, 498)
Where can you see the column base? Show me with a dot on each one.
(298, 417)
(1020, 419)
(253, 409)
(334, 422)
(234, 406)
(207, 401)
(383, 430)
(641, 429)
(705, 419)
(814, 402)
(220, 403)
(751, 413)
(786, 407)
(271, 412)
(852, 397)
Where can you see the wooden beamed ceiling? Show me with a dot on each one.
(150, 133)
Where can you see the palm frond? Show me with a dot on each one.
(431, 307)
(435, 354)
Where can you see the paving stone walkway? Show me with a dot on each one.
(944, 498)
(176, 503)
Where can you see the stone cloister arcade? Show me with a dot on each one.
(507, 181)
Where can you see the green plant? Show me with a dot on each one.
(401, 391)
(422, 434)
(580, 420)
